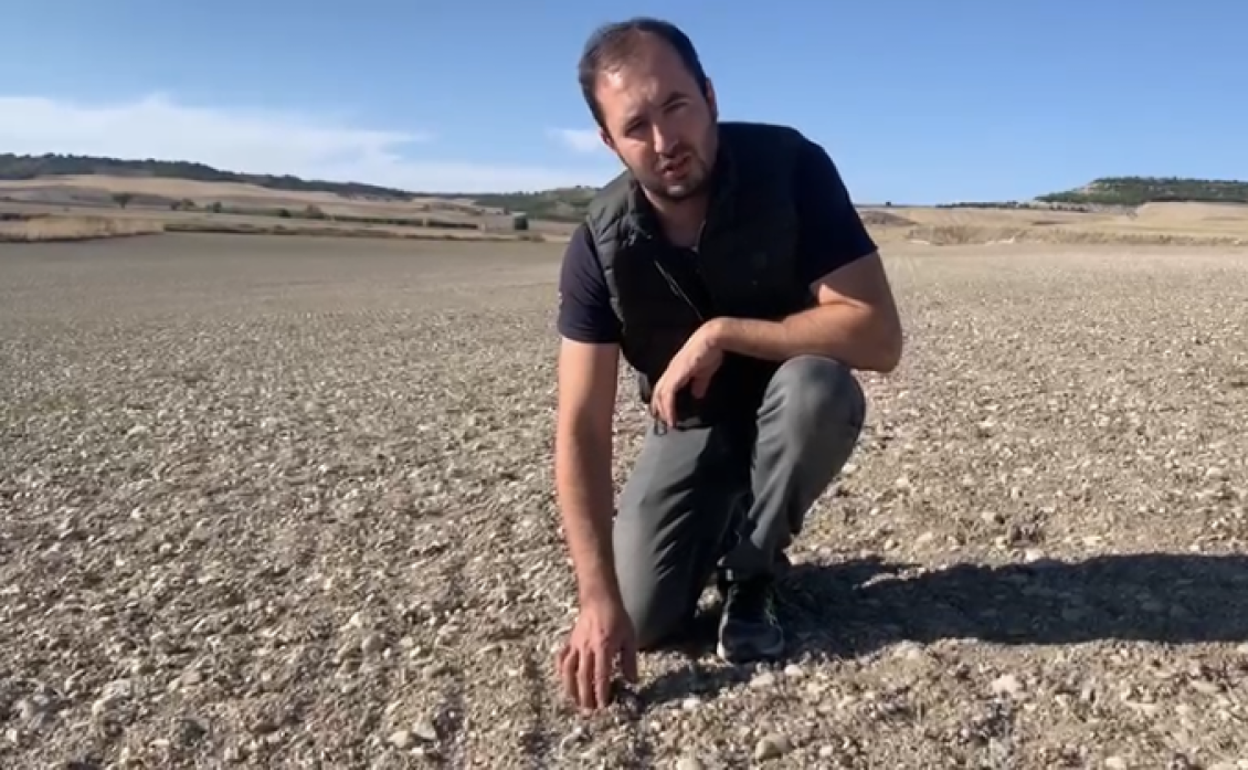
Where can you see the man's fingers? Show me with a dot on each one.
(568, 661)
(658, 403)
(604, 661)
(585, 678)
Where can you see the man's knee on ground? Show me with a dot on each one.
(656, 618)
(812, 393)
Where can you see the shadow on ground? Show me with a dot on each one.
(856, 608)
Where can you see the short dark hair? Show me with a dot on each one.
(612, 44)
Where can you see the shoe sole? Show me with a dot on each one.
(751, 655)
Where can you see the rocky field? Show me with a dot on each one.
(287, 503)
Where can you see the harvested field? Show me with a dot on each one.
(43, 229)
(287, 503)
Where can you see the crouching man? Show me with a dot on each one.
(729, 268)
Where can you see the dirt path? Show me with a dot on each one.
(288, 504)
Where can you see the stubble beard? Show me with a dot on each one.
(692, 186)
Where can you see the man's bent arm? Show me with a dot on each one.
(583, 454)
(854, 321)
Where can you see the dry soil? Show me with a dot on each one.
(288, 503)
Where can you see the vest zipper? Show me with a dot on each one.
(675, 287)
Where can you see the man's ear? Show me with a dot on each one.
(606, 138)
(711, 100)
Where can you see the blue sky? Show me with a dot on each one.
(917, 101)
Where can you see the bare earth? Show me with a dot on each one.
(288, 503)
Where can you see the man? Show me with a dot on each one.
(729, 268)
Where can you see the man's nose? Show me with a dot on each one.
(664, 137)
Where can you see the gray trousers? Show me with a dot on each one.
(733, 497)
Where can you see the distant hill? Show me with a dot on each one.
(23, 167)
(560, 205)
(566, 204)
(569, 204)
(1138, 190)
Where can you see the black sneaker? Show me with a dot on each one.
(748, 629)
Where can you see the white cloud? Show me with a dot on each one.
(582, 140)
(257, 141)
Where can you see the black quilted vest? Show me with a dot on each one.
(745, 266)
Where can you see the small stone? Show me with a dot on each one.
(771, 747)
(1007, 685)
(402, 739)
(1206, 687)
(1116, 763)
(574, 737)
(766, 679)
(794, 671)
(690, 763)
(373, 643)
(425, 730)
(28, 709)
(111, 695)
(690, 704)
(190, 730)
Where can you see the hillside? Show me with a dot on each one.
(566, 204)
(1139, 190)
(25, 167)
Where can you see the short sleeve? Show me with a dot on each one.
(831, 234)
(585, 312)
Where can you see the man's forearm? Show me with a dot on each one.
(846, 333)
(586, 501)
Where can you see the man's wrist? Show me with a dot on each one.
(598, 591)
(719, 333)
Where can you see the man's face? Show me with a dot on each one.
(658, 122)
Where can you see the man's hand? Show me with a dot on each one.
(695, 364)
(602, 638)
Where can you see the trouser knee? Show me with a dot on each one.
(657, 614)
(813, 392)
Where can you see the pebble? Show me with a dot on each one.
(690, 763)
(190, 729)
(1007, 685)
(402, 739)
(1206, 687)
(425, 730)
(111, 695)
(794, 671)
(690, 704)
(1116, 763)
(766, 679)
(771, 746)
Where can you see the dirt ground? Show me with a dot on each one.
(288, 503)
